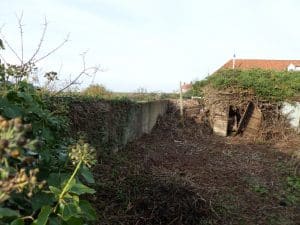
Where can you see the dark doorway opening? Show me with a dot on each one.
(234, 117)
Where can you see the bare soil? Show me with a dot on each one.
(186, 175)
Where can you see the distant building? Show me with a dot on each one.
(270, 64)
(186, 87)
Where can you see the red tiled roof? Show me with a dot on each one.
(260, 64)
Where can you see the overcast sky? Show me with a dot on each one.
(154, 44)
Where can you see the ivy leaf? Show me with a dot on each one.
(87, 175)
(54, 221)
(55, 191)
(17, 222)
(87, 210)
(58, 179)
(80, 189)
(6, 212)
(8, 109)
(75, 221)
(69, 210)
(41, 199)
(43, 216)
(26, 97)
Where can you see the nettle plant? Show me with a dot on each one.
(28, 196)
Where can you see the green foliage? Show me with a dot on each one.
(267, 84)
(198, 87)
(24, 101)
(25, 192)
(260, 189)
(292, 195)
(38, 184)
(188, 94)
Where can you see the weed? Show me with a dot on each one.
(260, 189)
(292, 191)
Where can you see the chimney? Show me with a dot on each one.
(233, 61)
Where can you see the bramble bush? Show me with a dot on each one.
(43, 172)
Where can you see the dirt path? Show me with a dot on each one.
(233, 182)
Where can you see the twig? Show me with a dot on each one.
(84, 71)
(53, 50)
(40, 42)
(21, 37)
(9, 46)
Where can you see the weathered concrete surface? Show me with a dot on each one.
(292, 111)
(112, 124)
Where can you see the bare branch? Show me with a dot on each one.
(53, 50)
(85, 71)
(60, 68)
(45, 25)
(20, 18)
(9, 46)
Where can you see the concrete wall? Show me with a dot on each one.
(292, 111)
(112, 124)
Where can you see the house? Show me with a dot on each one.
(186, 87)
(269, 64)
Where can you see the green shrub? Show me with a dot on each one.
(266, 84)
(38, 183)
(96, 90)
(30, 197)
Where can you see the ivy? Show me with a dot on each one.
(266, 84)
(46, 176)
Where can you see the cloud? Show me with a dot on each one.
(155, 44)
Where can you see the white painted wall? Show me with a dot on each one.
(291, 67)
(292, 111)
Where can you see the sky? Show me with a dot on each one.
(152, 44)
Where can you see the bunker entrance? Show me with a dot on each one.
(234, 117)
(235, 120)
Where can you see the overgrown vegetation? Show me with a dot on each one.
(266, 84)
(31, 195)
(147, 96)
(42, 170)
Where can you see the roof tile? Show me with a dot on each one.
(279, 65)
